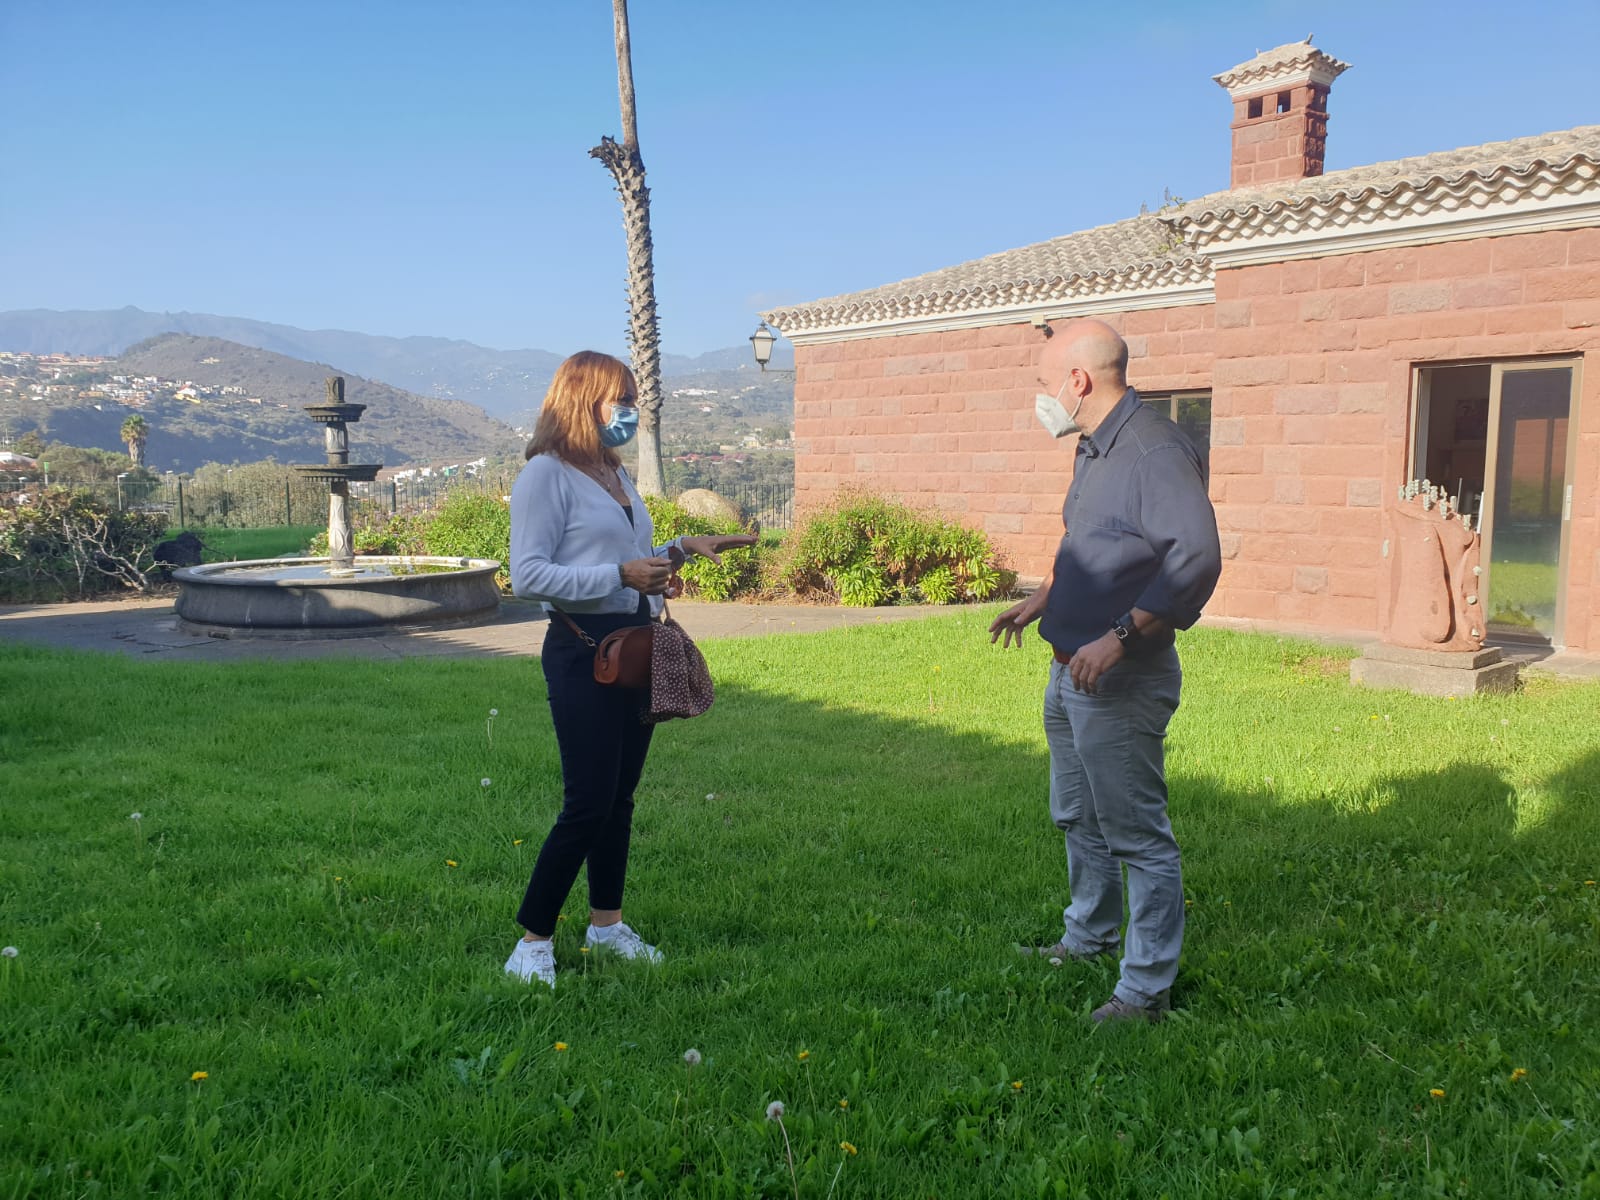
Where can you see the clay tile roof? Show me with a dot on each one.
(1143, 246)
(1289, 59)
(1448, 169)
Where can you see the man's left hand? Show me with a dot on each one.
(1094, 660)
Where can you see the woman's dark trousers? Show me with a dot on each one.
(603, 748)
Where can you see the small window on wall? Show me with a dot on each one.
(1190, 412)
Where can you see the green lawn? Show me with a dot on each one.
(227, 545)
(1391, 984)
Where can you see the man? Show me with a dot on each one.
(1138, 560)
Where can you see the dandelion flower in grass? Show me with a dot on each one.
(775, 1110)
(619, 1174)
(691, 1056)
(199, 1077)
(516, 841)
(846, 1146)
(1518, 1075)
(711, 795)
(1436, 1093)
(135, 816)
(844, 1104)
(484, 782)
(1016, 1085)
(8, 952)
(450, 862)
(803, 1055)
(560, 1046)
(1504, 722)
(494, 712)
(1588, 883)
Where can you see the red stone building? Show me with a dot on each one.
(1323, 337)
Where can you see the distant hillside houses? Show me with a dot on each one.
(404, 475)
(54, 376)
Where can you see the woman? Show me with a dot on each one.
(581, 543)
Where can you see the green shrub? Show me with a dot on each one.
(739, 573)
(467, 526)
(70, 546)
(380, 533)
(869, 550)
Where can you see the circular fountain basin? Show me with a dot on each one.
(311, 597)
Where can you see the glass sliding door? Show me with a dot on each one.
(1498, 436)
(1530, 501)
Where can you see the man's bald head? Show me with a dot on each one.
(1092, 347)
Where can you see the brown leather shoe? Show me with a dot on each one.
(1118, 1009)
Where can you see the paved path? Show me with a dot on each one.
(150, 628)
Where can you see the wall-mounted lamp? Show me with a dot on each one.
(762, 341)
(1042, 324)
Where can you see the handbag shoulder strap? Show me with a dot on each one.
(573, 625)
(584, 637)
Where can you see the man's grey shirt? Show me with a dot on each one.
(1140, 530)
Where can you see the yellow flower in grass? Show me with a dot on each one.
(1436, 1093)
(516, 841)
(803, 1055)
(199, 1077)
(844, 1104)
(1016, 1085)
(1518, 1075)
(1588, 883)
(848, 1148)
(450, 862)
(560, 1046)
(619, 1174)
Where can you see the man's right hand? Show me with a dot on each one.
(648, 576)
(1010, 624)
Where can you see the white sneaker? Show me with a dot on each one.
(622, 941)
(533, 960)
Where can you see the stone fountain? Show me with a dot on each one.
(343, 593)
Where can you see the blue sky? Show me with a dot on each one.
(421, 168)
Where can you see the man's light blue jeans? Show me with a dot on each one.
(1108, 791)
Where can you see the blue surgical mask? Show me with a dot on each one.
(1054, 416)
(620, 429)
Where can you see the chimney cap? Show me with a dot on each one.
(1295, 62)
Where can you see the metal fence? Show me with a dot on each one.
(210, 502)
(770, 505)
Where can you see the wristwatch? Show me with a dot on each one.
(1127, 632)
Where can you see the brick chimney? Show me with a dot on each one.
(1280, 113)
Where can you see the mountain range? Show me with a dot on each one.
(508, 384)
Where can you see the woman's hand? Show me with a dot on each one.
(712, 545)
(648, 576)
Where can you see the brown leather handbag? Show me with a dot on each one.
(659, 657)
(621, 659)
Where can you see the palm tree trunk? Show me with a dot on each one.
(622, 159)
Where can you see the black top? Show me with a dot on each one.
(1140, 531)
